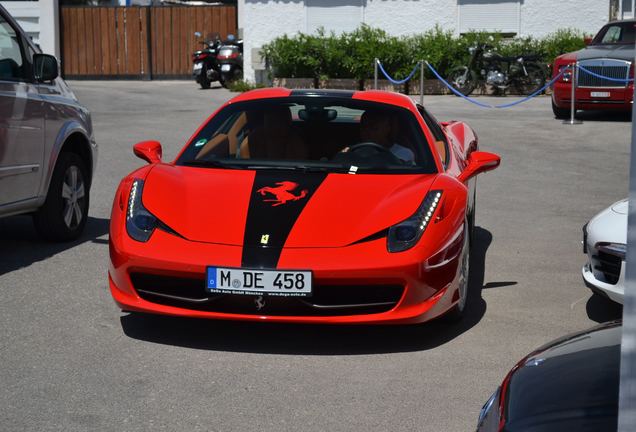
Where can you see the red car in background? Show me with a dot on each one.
(609, 54)
(312, 206)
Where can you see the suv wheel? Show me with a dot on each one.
(65, 210)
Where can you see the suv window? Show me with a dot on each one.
(11, 59)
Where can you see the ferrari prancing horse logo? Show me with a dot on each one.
(265, 239)
(282, 193)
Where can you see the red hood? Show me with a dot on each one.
(211, 205)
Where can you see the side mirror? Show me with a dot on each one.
(150, 151)
(587, 40)
(45, 67)
(479, 162)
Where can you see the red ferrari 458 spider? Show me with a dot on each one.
(312, 206)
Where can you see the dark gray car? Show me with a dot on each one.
(47, 148)
(570, 384)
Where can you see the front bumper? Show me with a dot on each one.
(428, 285)
(620, 98)
(604, 289)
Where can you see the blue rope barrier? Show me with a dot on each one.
(396, 82)
(485, 105)
(622, 80)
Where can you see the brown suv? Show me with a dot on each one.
(47, 148)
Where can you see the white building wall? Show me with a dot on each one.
(540, 17)
(264, 20)
(40, 21)
(403, 17)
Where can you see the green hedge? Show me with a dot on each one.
(350, 55)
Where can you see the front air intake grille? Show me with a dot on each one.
(608, 265)
(326, 300)
(608, 68)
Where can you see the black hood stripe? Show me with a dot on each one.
(277, 199)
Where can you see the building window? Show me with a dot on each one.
(333, 15)
(626, 10)
(500, 16)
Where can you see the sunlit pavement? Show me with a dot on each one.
(72, 361)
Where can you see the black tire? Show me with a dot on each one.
(528, 84)
(204, 82)
(68, 194)
(463, 79)
(459, 310)
(560, 113)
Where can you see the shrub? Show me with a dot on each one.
(351, 55)
(241, 86)
(562, 41)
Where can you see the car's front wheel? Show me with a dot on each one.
(560, 113)
(65, 210)
(458, 311)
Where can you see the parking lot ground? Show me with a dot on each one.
(71, 361)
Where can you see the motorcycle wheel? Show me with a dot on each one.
(204, 82)
(463, 79)
(532, 82)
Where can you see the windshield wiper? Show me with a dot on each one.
(303, 168)
(209, 163)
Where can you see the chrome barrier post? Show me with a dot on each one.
(422, 82)
(574, 78)
(375, 74)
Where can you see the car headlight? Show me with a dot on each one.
(407, 233)
(487, 410)
(567, 75)
(140, 223)
(616, 249)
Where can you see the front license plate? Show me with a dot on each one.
(197, 67)
(226, 68)
(600, 94)
(249, 282)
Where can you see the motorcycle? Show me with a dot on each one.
(230, 60)
(525, 73)
(205, 68)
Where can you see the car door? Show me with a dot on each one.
(21, 120)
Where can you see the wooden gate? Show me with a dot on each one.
(137, 42)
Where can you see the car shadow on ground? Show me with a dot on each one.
(604, 116)
(601, 309)
(20, 245)
(316, 339)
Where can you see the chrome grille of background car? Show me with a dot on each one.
(618, 69)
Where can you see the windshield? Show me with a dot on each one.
(330, 134)
(615, 34)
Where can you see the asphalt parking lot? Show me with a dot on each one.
(72, 361)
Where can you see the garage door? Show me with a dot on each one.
(489, 15)
(333, 15)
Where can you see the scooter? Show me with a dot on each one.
(230, 60)
(205, 68)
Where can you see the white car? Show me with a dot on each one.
(605, 243)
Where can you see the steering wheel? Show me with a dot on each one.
(376, 149)
(379, 148)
